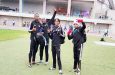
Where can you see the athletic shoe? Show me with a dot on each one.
(60, 72)
(46, 63)
(52, 68)
(78, 73)
(78, 70)
(40, 61)
(75, 70)
(29, 65)
(33, 63)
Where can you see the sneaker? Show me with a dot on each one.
(46, 63)
(40, 61)
(29, 65)
(60, 72)
(52, 68)
(75, 70)
(78, 73)
(78, 70)
(33, 63)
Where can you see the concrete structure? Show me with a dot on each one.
(96, 13)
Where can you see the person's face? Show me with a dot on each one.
(57, 23)
(44, 20)
(76, 25)
(37, 18)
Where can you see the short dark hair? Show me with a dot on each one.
(57, 19)
(36, 15)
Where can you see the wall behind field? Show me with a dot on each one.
(111, 15)
(19, 21)
(9, 20)
(25, 22)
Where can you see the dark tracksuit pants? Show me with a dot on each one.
(41, 51)
(33, 46)
(76, 52)
(35, 42)
(41, 43)
(35, 51)
(81, 54)
(56, 52)
(46, 50)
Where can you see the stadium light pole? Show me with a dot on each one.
(69, 7)
(44, 7)
(21, 2)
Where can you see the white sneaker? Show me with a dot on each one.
(78, 70)
(30, 65)
(46, 63)
(60, 72)
(78, 73)
(40, 61)
(52, 68)
(75, 70)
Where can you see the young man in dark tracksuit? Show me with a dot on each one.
(55, 34)
(77, 36)
(36, 31)
(46, 26)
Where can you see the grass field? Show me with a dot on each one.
(97, 60)
(11, 34)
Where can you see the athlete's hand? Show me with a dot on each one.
(69, 32)
(34, 29)
(49, 30)
(55, 10)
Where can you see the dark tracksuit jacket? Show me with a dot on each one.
(56, 35)
(77, 36)
(46, 33)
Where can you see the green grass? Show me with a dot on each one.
(97, 60)
(11, 34)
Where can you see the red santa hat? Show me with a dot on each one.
(76, 22)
